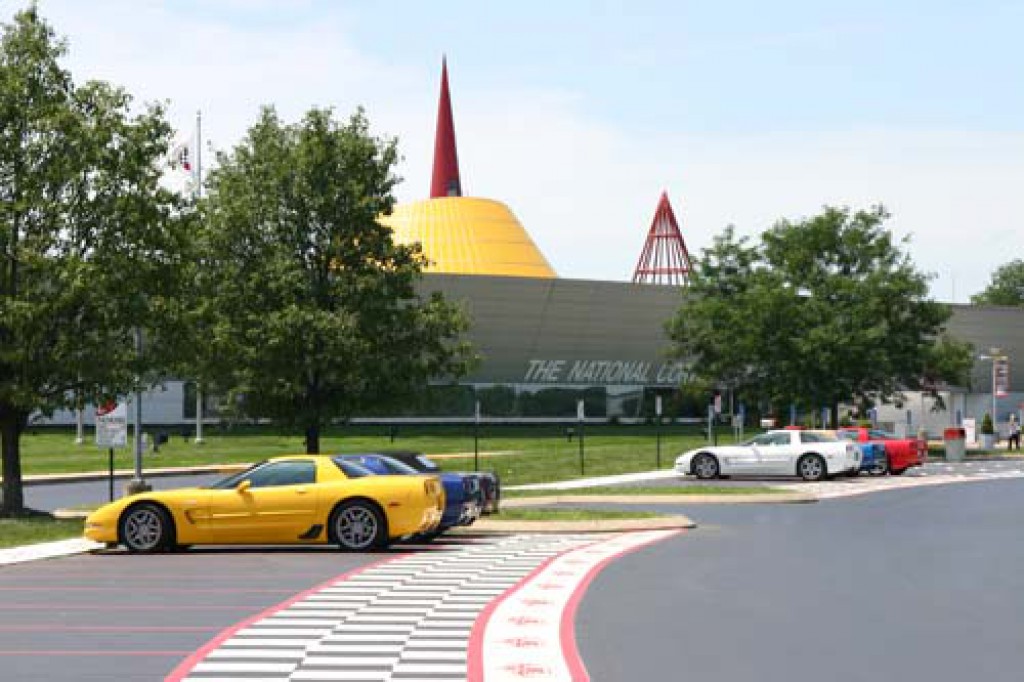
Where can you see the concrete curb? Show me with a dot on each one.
(488, 526)
(46, 550)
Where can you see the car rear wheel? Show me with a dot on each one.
(881, 467)
(897, 472)
(811, 468)
(358, 526)
(705, 467)
(146, 528)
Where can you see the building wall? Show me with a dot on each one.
(607, 341)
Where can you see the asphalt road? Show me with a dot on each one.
(915, 584)
(94, 493)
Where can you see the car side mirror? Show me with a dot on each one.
(243, 486)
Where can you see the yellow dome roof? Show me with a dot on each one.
(469, 236)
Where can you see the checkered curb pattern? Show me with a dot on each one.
(408, 619)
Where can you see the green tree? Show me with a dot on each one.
(1006, 287)
(821, 311)
(311, 308)
(90, 245)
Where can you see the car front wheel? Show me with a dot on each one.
(705, 467)
(811, 468)
(358, 526)
(146, 528)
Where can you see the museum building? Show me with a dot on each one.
(547, 342)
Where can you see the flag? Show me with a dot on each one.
(181, 156)
(183, 160)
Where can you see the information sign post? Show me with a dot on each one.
(111, 432)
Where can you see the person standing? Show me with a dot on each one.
(1014, 440)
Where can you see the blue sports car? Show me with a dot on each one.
(872, 458)
(462, 506)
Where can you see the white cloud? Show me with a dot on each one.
(585, 190)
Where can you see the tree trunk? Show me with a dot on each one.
(313, 439)
(13, 501)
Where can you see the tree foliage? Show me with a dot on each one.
(820, 311)
(310, 307)
(90, 245)
(1006, 287)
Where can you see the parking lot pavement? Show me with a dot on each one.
(114, 616)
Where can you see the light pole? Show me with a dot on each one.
(476, 437)
(657, 427)
(580, 416)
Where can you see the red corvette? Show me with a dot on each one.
(901, 453)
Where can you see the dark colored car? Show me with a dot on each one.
(489, 483)
(462, 496)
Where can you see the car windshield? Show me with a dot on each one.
(427, 463)
(818, 437)
(351, 469)
(397, 467)
(233, 480)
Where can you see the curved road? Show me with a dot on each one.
(915, 584)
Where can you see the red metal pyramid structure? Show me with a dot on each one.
(444, 181)
(664, 259)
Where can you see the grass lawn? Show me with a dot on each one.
(33, 529)
(522, 454)
(531, 514)
(647, 490)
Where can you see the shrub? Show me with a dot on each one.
(986, 424)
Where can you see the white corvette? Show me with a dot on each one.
(811, 455)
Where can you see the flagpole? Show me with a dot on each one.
(198, 195)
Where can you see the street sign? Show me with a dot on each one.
(1001, 377)
(112, 425)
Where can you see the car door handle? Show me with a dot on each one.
(301, 491)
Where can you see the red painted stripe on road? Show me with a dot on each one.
(475, 648)
(567, 627)
(185, 667)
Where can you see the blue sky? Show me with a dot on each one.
(578, 114)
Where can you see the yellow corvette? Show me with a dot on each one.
(303, 499)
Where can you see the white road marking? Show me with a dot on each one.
(414, 617)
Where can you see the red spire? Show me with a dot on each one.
(664, 259)
(444, 181)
